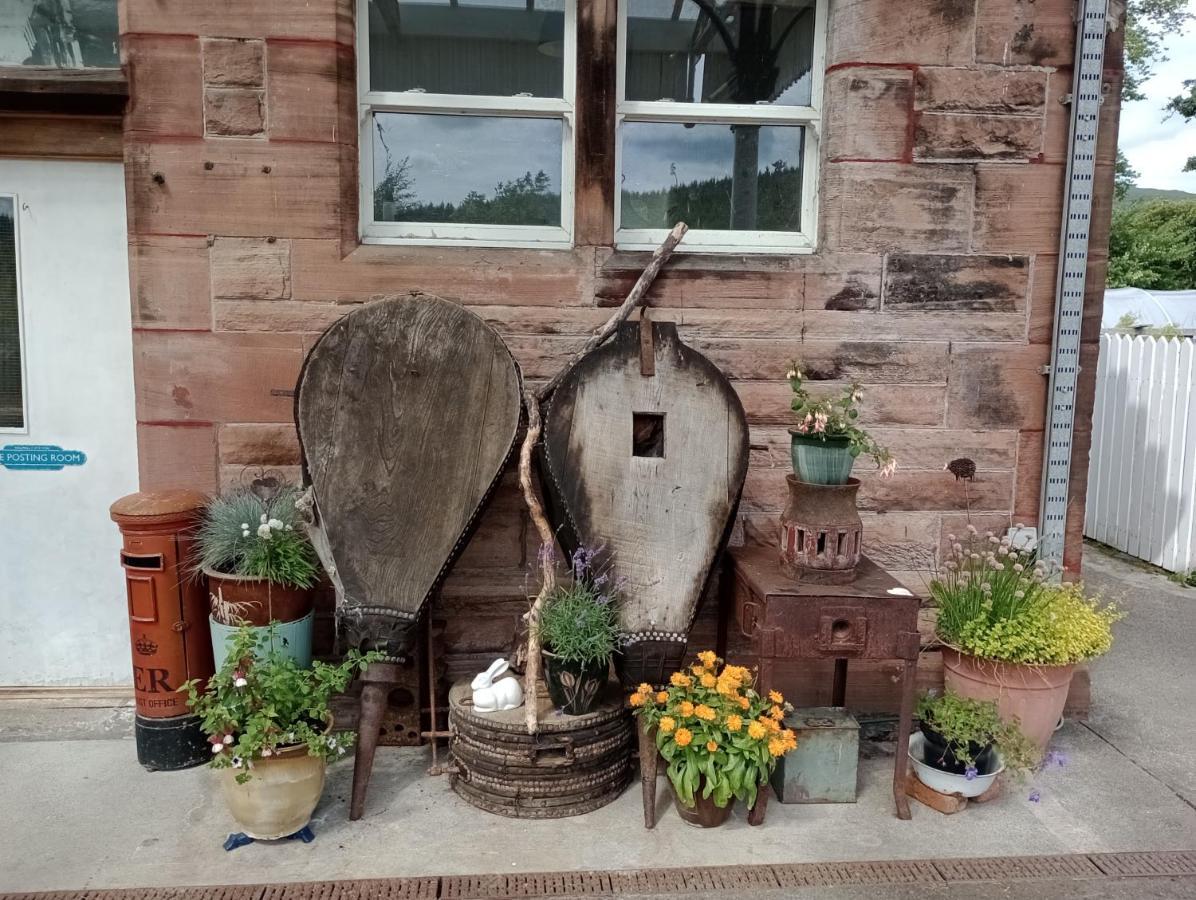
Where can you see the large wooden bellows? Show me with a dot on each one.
(407, 412)
(645, 451)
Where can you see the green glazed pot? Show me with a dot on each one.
(818, 461)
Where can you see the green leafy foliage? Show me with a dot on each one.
(720, 737)
(261, 702)
(963, 723)
(1148, 24)
(835, 417)
(1152, 245)
(580, 619)
(242, 534)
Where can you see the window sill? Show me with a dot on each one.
(44, 89)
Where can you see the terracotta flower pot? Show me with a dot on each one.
(280, 797)
(1033, 695)
(703, 814)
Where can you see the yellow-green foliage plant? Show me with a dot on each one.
(720, 737)
(995, 602)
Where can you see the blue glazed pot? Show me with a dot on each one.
(292, 639)
(819, 461)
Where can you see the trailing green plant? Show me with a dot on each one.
(261, 702)
(580, 619)
(835, 417)
(965, 724)
(245, 534)
(995, 602)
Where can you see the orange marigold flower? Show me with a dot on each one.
(775, 697)
(662, 696)
(771, 724)
(704, 712)
(727, 688)
(637, 699)
(667, 724)
(734, 722)
(708, 680)
(697, 668)
(683, 737)
(776, 747)
(708, 658)
(680, 679)
(687, 708)
(744, 702)
(644, 688)
(777, 713)
(712, 746)
(756, 731)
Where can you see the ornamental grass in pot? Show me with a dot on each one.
(827, 438)
(720, 737)
(270, 729)
(260, 566)
(1011, 635)
(579, 627)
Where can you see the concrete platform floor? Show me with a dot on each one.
(80, 812)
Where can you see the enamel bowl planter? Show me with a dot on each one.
(949, 782)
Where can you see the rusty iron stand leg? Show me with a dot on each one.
(648, 760)
(726, 609)
(434, 734)
(909, 673)
(377, 680)
(839, 685)
(760, 807)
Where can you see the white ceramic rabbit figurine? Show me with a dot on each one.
(492, 695)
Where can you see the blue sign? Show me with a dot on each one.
(43, 457)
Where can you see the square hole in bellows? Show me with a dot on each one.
(647, 434)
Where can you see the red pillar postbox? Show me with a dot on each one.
(168, 622)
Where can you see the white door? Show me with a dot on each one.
(66, 382)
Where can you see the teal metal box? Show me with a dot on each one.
(823, 767)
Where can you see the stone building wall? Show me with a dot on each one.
(940, 196)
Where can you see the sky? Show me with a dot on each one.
(1157, 147)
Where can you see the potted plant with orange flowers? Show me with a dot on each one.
(720, 737)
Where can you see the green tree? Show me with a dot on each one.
(1152, 245)
(1185, 105)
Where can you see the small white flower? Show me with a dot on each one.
(237, 761)
(971, 529)
(951, 539)
(240, 682)
(266, 751)
(263, 531)
(244, 524)
(265, 518)
(276, 524)
(245, 533)
(216, 748)
(228, 739)
(289, 528)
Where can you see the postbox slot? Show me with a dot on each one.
(141, 561)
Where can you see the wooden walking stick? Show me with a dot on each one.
(532, 398)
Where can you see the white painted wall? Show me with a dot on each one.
(63, 618)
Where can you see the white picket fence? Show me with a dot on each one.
(1142, 468)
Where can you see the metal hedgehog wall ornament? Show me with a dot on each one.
(962, 468)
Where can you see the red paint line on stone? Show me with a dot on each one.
(160, 34)
(178, 234)
(865, 159)
(912, 67)
(176, 423)
(143, 329)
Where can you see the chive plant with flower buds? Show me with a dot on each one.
(835, 417)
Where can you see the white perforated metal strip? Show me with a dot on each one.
(1086, 100)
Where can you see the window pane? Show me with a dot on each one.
(704, 51)
(69, 34)
(482, 170)
(494, 47)
(717, 177)
(11, 414)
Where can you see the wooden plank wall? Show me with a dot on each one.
(940, 193)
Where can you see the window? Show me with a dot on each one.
(466, 110)
(64, 34)
(12, 393)
(718, 105)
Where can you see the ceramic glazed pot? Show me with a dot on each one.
(1033, 695)
(574, 687)
(703, 814)
(938, 753)
(819, 461)
(280, 797)
(234, 598)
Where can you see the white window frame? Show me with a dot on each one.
(16, 240)
(804, 241)
(454, 234)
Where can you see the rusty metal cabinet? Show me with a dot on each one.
(873, 617)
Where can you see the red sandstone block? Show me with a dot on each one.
(173, 456)
(230, 62)
(315, 20)
(890, 206)
(234, 112)
(216, 377)
(275, 315)
(302, 92)
(251, 268)
(258, 445)
(997, 385)
(768, 402)
(980, 90)
(881, 31)
(868, 113)
(947, 136)
(1025, 32)
(169, 279)
(953, 282)
(1042, 298)
(1028, 485)
(165, 85)
(1018, 208)
(865, 361)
